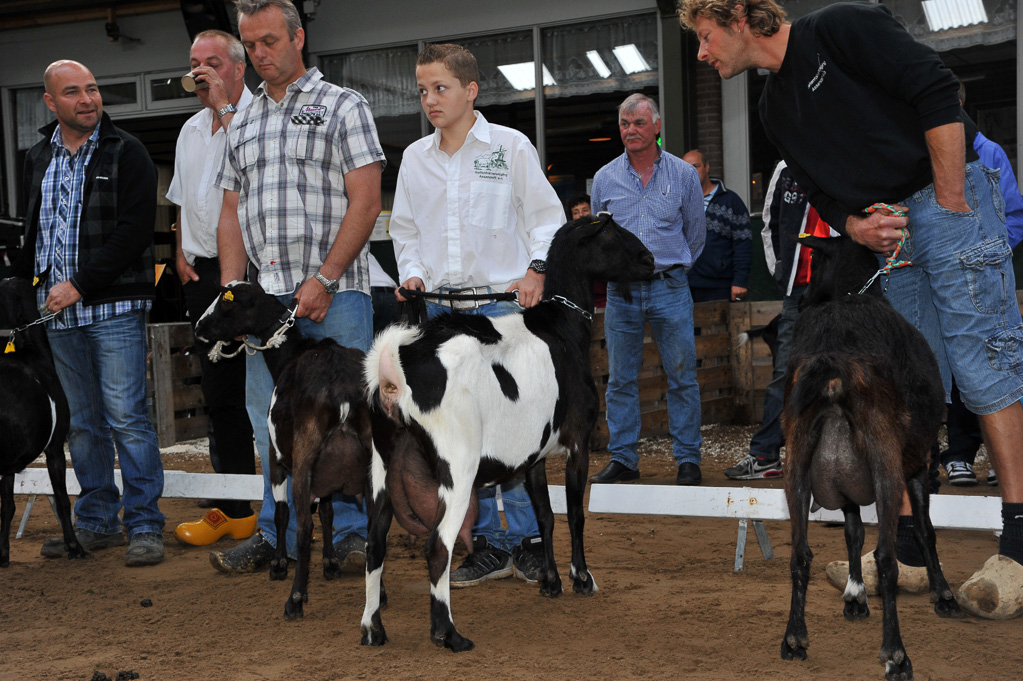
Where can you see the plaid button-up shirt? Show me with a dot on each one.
(288, 160)
(667, 214)
(57, 243)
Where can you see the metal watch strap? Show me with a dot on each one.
(331, 285)
(226, 110)
(538, 266)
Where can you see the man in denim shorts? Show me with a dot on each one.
(865, 114)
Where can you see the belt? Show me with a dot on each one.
(664, 274)
(483, 291)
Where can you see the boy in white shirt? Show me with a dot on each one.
(474, 213)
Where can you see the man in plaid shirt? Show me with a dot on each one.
(90, 194)
(302, 190)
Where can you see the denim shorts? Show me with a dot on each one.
(961, 291)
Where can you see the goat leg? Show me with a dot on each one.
(893, 652)
(923, 531)
(536, 485)
(855, 594)
(6, 517)
(576, 472)
(56, 467)
(797, 493)
(378, 525)
(331, 564)
(300, 479)
(454, 502)
(279, 486)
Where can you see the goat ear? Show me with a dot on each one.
(826, 245)
(41, 277)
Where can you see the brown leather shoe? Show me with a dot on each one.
(213, 526)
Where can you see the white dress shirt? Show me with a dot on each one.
(198, 156)
(476, 218)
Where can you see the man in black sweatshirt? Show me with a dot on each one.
(863, 114)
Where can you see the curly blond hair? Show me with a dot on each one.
(764, 17)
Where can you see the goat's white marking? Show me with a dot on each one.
(377, 474)
(343, 411)
(372, 597)
(270, 425)
(280, 491)
(854, 591)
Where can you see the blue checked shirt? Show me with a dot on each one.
(667, 215)
(288, 160)
(57, 243)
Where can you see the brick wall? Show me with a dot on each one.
(708, 117)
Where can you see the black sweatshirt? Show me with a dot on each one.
(849, 106)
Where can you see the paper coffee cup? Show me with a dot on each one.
(190, 84)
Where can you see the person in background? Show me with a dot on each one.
(657, 197)
(722, 270)
(218, 60)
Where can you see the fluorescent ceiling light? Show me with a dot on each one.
(523, 76)
(630, 59)
(945, 14)
(598, 64)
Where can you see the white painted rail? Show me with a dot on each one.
(948, 511)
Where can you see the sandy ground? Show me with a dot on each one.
(669, 607)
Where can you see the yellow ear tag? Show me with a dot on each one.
(803, 235)
(228, 296)
(10, 347)
(35, 282)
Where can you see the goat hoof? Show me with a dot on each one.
(854, 610)
(78, 553)
(4, 562)
(585, 585)
(331, 568)
(278, 569)
(946, 606)
(293, 610)
(792, 652)
(371, 637)
(898, 671)
(457, 643)
(551, 589)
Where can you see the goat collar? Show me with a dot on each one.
(14, 332)
(274, 341)
(569, 304)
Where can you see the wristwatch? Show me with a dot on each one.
(331, 285)
(226, 110)
(538, 266)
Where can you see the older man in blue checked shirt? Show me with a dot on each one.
(657, 197)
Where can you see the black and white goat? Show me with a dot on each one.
(863, 403)
(34, 413)
(319, 422)
(488, 399)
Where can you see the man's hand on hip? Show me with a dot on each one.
(313, 301)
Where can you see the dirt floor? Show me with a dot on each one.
(669, 607)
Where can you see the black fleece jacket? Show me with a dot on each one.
(849, 107)
(115, 254)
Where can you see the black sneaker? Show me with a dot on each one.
(90, 541)
(145, 548)
(960, 474)
(485, 562)
(252, 555)
(754, 468)
(527, 559)
(351, 551)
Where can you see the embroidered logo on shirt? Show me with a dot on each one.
(491, 166)
(307, 119)
(818, 78)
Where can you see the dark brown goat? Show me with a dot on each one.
(863, 403)
(319, 423)
(34, 415)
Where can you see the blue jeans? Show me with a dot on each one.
(961, 292)
(349, 322)
(518, 509)
(102, 368)
(668, 307)
(767, 441)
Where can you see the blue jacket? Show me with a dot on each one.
(728, 253)
(993, 157)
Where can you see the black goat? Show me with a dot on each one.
(863, 403)
(768, 333)
(34, 413)
(489, 399)
(319, 422)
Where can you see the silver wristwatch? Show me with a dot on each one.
(226, 110)
(331, 285)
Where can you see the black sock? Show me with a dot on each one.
(906, 550)
(1011, 543)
